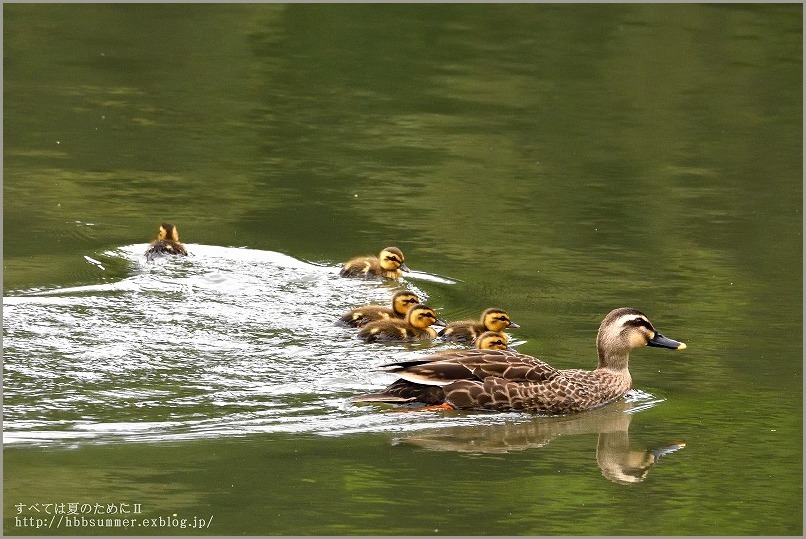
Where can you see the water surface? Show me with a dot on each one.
(556, 161)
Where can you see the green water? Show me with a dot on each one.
(554, 160)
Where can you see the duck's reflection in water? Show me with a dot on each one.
(617, 461)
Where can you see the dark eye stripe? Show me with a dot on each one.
(639, 322)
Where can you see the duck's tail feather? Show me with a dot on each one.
(382, 397)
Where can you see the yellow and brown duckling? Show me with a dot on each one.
(492, 340)
(469, 330)
(389, 264)
(489, 340)
(415, 327)
(401, 303)
(167, 243)
(505, 380)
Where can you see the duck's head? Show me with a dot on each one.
(392, 259)
(403, 301)
(625, 329)
(497, 320)
(492, 340)
(168, 232)
(421, 316)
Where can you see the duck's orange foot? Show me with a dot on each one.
(442, 406)
(431, 407)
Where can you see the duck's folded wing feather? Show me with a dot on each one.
(475, 365)
(403, 391)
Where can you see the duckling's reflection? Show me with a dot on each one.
(616, 460)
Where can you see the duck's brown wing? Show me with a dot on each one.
(473, 365)
(402, 392)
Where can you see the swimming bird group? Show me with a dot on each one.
(491, 376)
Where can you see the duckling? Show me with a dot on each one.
(492, 340)
(401, 303)
(505, 380)
(415, 327)
(468, 330)
(489, 340)
(167, 242)
(389, 263)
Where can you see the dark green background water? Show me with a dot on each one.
(555, 160)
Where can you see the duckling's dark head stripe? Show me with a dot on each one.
(393, 253)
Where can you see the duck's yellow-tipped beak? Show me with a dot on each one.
(664, 342)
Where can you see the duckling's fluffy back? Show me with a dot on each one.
(167, 243)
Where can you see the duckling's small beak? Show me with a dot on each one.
(440, 322)
(664, 342)
(513, 325)
(404, 267)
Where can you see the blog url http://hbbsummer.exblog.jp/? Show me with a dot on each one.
(80, 521)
